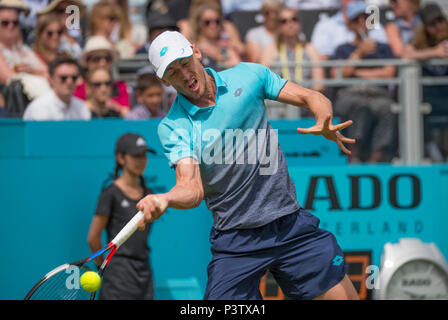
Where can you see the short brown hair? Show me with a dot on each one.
(147, 80)
(59, 60)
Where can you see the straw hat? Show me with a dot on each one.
(54, 3)
(15, 4)
(96, 43)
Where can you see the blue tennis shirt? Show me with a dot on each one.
(244, 174)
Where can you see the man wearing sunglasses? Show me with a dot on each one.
(59, 103)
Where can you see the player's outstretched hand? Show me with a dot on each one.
(331, 132)
(152, 207)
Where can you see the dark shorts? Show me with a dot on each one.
(305, 260)
(127, 279)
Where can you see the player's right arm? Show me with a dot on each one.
(187, 193)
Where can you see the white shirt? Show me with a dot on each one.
(50, 107)
(260, 36)
(329, 33)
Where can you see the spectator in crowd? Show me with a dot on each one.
(400, 31)
(211, 38)
(368, 106)
(430, 42)
(258, 38)
(129, 38)
(49, 31)
(312, 4)
(431, 37)
(99, 90)
(149, 95)
(105, 20)
(129, 274)
(177, 9)
(99, 52)
(331, 32)
(188, 27)
(286, 49)
(59, 103)
(72, 37)
(289, 48)
(157, 24)
(15, 56)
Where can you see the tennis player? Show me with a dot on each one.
(258, 223)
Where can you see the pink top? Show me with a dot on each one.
(120, 93)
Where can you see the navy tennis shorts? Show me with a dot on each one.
(305, 260)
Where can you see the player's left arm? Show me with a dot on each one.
(322, 109)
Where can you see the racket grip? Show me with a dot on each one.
(128, 230)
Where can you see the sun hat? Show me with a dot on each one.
(15, 4)
(97, 43)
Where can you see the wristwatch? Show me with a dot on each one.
(412, 270)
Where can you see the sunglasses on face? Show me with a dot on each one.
(60, 10)
(436, 21)
(6, 23)
(112, 18)
(55, 32)
(285, 21)
(99, 84)
(210, 21)
(98, 58)
(64, 78)
(270, 12)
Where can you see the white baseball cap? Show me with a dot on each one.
(167, 48)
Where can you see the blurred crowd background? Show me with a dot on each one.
(80, 60)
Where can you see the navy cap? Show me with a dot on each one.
(133, 144)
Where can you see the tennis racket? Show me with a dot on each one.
(62, 283)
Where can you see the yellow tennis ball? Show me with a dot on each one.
(90, 281)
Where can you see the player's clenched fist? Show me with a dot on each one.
(152, 207)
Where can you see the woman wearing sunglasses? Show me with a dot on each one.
(73, 37)
(99, 53)
(49, 31)
(212, 39)
(99, 90)
(288, 47)
(187, 25)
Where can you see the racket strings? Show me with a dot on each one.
(63, 285)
